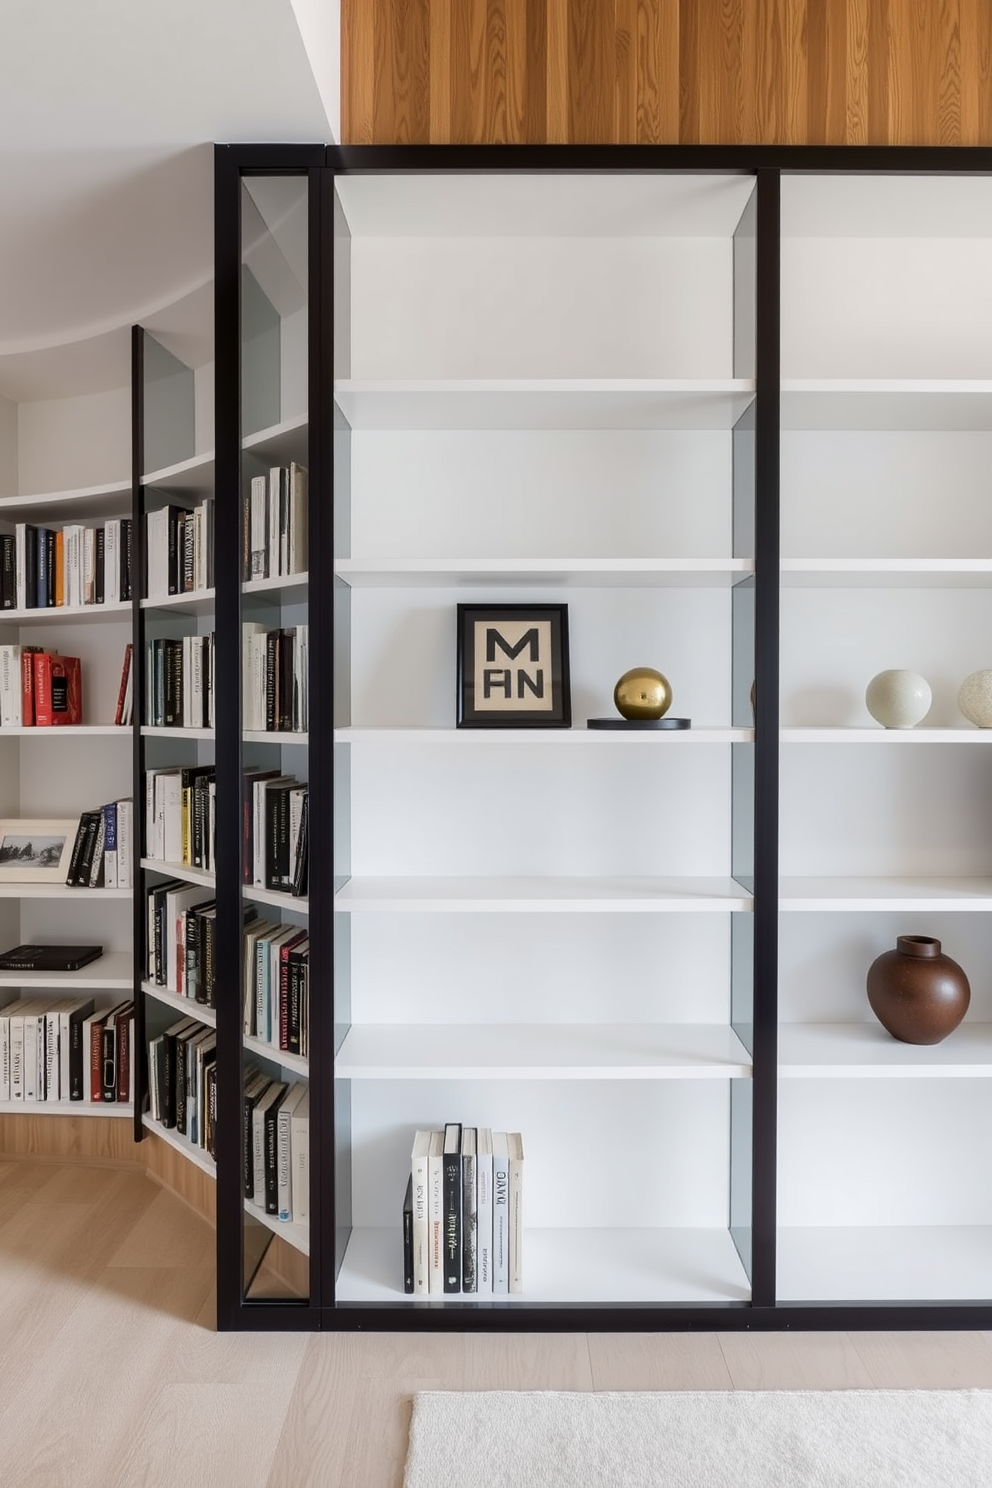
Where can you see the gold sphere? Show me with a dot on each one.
(643, 693)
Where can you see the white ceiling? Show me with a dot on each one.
(108, 113)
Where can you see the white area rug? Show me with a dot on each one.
(702, 1439)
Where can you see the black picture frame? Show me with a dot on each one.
(534, 693)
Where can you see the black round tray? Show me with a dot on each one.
(639, 723)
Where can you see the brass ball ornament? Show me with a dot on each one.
(643, 693)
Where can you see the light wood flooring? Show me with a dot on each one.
(111, 1375)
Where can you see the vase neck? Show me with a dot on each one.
(918, 945)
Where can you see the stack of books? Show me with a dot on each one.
(62, 1049)
(179, 550)
(102, 853)
(277, 1147)
(275, 672)
(45, 567)
(463, 1213)
(275, 524)
(277, 986)
(181, 815)
(276, 835)
(39, 688)
(182, 1081)
(179, 682)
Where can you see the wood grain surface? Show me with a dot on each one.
(667, 72)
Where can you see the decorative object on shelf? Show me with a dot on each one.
(918, 994)
(643, 698)
(898, 699)
(36, 851)
(513, 666)
(975, 698)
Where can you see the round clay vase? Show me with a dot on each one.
(975, 698)
(643, 693)
(898, 699)
(918, 994)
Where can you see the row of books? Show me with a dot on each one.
(44, 567)
(277, 832)
(179, 549)
(277, 986)
(38, 687)
(463, 1213)
(275, 678)
(179, 682)
(181, 815)
(63, 1049)
(275, 523)
(182, 1081)
(277, 1147)
(103, 848)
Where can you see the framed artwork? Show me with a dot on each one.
(36, 851)
(513, 666)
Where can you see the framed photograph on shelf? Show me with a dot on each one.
(513, 666)
(36, 851)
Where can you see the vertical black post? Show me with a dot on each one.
(138, 845)
(766, 625)
(227, 713)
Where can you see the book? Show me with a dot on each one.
(484, 1211)
(421, 1229)
(124, 689)
(469, 1210)
(272, 1095)
(284, 1158)
(255, 1087)
(501, 1214)
(408, 1237)
(452, 1166)
(300, 1149)
(49, 957)
(435, 1213)
(58, 697)
(515, 1146)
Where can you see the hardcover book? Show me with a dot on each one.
(48, 957)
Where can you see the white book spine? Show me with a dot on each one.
(435, 1215)
(112, 561)
(4, 1056)
(10, 686)
(258, 539)
(275, 479)
(65, 1029)
(501, 1215)
(124, 848)
(52, 1056)
(516, 1251)
(29, 1065)
(300, 1127)
(421, 1227)
(17, 1056)
(20, 566)
(484, 1220)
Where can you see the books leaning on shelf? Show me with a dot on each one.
(64, 1049)
(275, 523)
(464, 1235)
(275, 673)
(103, 851)
(180, 815)
(39, 688)
(124, 713)
(276, 832)
(181, 920)
(182, 1084)
(179, 549)
(277, 986)
(179, 682)
(277, 1147)
(46, 567)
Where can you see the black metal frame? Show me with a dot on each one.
(766, 164)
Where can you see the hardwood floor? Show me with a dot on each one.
(111, 1375)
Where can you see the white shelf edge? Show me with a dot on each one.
(273, 585)
(262, 437)
(181, 467)
(58, 498)
(187, 599)
(67, 1108)
(58, 891)
(469, 738)
(274, 736)
(180, 870)
(68, 731)
(155, 731)
(258, 895)
(296, 1235)
(45, 614)
(198, 1156)
(541, 896)
(875, 734)
(920, 895)
(295, 1062)
(199, 1010)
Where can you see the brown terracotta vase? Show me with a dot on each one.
(916, 993)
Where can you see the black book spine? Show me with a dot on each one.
(293, 988)
(173, 684)
(50, 566)
(169, 1080)
(109, 1062)
(76, 1057)
(175, 518)
(248, 1170)
(158, 898)
(302, 863)
(126, 558)
(101, 564)
(183, 1056)
(272, 1156)
(452, 1210)
(277, 874)
(85, 867)
(189, 575)
(408, 1237)
(191, 944)
(209, 969)
(271, 650)
(287, 645)
(8, 572)
(72, 877)
(211, 1105)
(31, 569)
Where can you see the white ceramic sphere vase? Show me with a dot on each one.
(975, 698)
(898, 699)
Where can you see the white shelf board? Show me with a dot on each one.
(542, 895)
(196, 1155)
(283, 441)
(49, 614)
(151, 731)
(258, 895)
(276, 585)
(180, 870)
(69, 731)
(585, 573)
(296, 1235)
(844, 1051)
(532, 1051)
(194, 476)
(110, 497)
(876, 734)
(113, 971)
(576, 1266)
(282, 1057)
(470, 738)
(916, 894)
(193, 602)
(67, 1108)
(545, 403)
(882, 573)
(886, 403)
(275, 736)
(185, 1005)
(58, 891)
(885, 1263)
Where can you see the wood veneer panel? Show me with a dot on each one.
(90, 1139)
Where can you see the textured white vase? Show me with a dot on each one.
(975, 698)
(898, 699)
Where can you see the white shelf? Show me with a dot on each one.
(113, 971)
(885, 1263)
(192, 602)
(865, 1051)
(296, 1235)
(275, 736)
(184, 1005)
(258, 895)
(585, 573)
(917, 894)
(192, 477)
(58, 891)
(55, 614)
(151, 731)
(545, 403)
(876, 734)
(576, 1266)
(108, 498)
(282, 1057)
(470, 738)
(882, 573)
(179, 870)
(887, 403)
(275, 585)
(542, 895)
(280, 442)
(69, 731)
(530, 1051)
(196, 1155)
(67, 1108)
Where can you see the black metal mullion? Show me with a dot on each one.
(139, 1046)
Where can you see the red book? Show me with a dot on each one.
(58, 694)
(96, 1060)
(28, 654)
